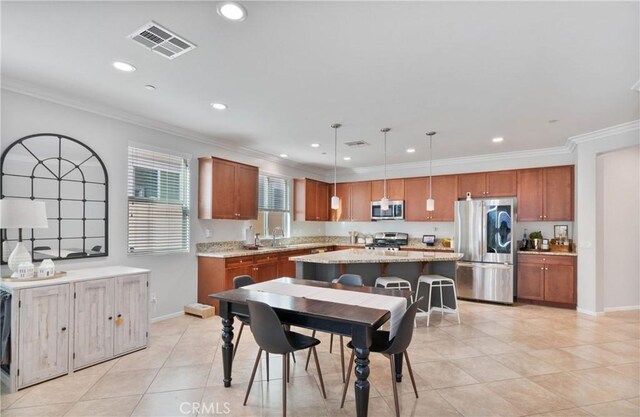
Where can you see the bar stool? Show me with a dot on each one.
(393, 282)
(442, 283)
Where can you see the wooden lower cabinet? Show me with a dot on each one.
(548, 279)
(95, 311)
(131, 319)
(216, 274)
(43, 339)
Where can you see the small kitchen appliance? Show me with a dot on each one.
(394, 212)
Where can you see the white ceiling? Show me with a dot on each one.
(470, 71)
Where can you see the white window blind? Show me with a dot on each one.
(158, 193)
(273, 194)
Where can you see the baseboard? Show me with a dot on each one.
(167, 316)
(623, 308)
(589, 312)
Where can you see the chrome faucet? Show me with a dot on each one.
(276, 233)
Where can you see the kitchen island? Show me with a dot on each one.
(371, 264)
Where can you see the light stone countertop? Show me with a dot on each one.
(362, 256)
(538, 252)
(72, 276)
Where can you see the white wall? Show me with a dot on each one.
(174, 277)
(588, 147)
(618, 227)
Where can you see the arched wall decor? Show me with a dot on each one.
(72, 181)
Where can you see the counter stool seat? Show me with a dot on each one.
(442, 284)
(393, 282)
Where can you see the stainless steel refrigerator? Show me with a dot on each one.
(484, 232)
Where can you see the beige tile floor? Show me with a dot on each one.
(502, 361)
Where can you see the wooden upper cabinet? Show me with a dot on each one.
(444, 196)
(557, 188)
(545, 194)
(487, 184)
(476, 184)
(501, 184)
(415, 202)
(310, 200)
(529, 194)
(227, 190)
(355, 202)
(361, 201)
(342, 214)
(395, 189)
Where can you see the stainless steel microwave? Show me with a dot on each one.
(395, 211)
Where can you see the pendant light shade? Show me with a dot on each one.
(431, 204)
(335, 200)
(384, 203)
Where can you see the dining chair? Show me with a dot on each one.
(390, 348)
(353, 280)
(239, 282)
(272, 337)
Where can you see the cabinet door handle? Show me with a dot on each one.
(546, 269)
(63, 329)
(542, 268)
(119, 315)
(540, 216)
(110, 317)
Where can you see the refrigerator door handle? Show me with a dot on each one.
(484, 265)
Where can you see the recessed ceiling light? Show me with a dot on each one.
(150, 87)
(347, 158)
(497, 140)
(411, 150)
(232, 11)
(315, 145)
(284, 155)
(123, 66)
(552, 121)
(219, 106)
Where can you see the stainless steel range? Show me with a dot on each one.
(391, 241)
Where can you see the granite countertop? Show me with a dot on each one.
(549, 253)
(362, 256)
(231, 253)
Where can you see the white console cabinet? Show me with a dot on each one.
(64, 324)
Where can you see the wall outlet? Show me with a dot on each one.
(154, 299)
(207, 232)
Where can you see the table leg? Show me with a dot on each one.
(227, 349)
(362, 384)
(398, 361)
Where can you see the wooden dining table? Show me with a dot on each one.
(358, 323)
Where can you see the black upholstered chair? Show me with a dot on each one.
(239, 282)
(353, 280)
(273, 338)
(389, 348)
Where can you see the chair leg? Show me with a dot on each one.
(235, 348)
(331, 343)
(346, 383)
(413, 381)
(455, 297)
(288, 367)
(315, 356)
(284, 385)
(441, 301)
(253, 375)
(342, 356)
(293, 356)
(429, 305)
(395, 384)
(267, 366)
(306, 366)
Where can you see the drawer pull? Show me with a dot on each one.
(63, 329)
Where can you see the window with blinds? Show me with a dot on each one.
(158, 193)
(273, 206)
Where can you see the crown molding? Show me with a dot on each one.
(503, 156)
(605, 133)
(47, 94)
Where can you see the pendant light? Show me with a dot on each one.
(384, 203)
(335, 200)
(430, 202)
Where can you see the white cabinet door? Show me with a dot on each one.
(43, 340)
(94, 318)
(131, 313)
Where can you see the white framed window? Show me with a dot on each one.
(274, 205)
(158, 199)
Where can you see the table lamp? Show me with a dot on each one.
(20, 214)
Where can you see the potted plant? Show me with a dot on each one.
(536, 240)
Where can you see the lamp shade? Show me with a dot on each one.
(22, 214)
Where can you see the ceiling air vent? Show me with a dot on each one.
(357, 143)
(162, 41)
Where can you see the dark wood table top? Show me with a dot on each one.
(335, 311)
